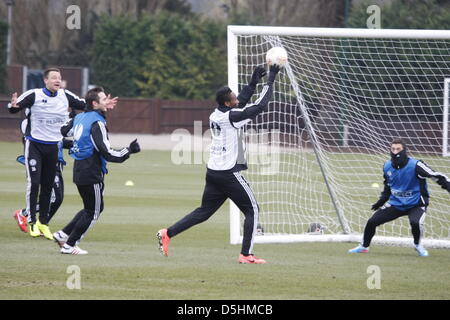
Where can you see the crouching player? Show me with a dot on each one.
(406, 193)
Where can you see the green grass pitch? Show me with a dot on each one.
(124, 262)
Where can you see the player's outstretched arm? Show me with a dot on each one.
(99, 135)
(25, 100)
(248, 91)
(424, 171)
(75, 102)
(249, 112)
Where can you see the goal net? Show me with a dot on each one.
(316, 155)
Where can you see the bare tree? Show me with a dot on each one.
(311, 13)
(41, 37)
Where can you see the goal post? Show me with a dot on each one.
(445, 119)
(342, 97)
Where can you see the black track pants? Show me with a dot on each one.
(92, 196)
(416, 217)
(40, 163)
(220, 186)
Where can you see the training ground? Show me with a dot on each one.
(124, 262)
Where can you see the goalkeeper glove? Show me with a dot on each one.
(444, 183)
(377, 205)
(134, 147)
(258, 73)
(274, 69)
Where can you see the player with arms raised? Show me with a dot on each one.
(46, 110)
(223, 177)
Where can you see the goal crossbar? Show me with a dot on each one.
(340, 32)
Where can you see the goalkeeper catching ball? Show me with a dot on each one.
(223, 178)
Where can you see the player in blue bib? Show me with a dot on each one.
(91, 150)
(406, 194)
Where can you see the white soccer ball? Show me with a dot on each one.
(277, 55)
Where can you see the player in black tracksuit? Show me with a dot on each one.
(57, 195)
(46, 110)
(227, 159)
(91, 151)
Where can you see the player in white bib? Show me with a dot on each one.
(46, 110)
(227, 159)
